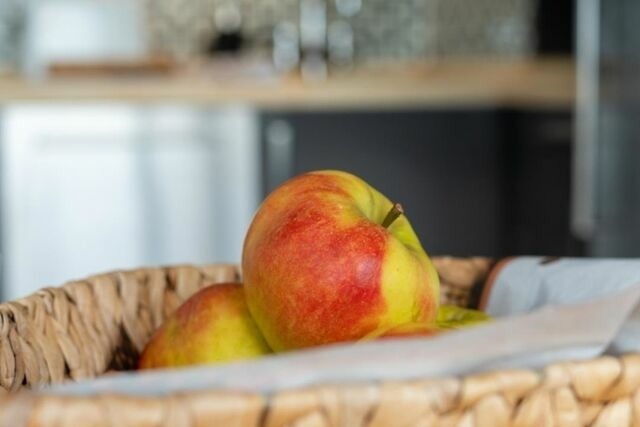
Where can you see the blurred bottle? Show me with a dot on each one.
(314, 42)
(313, 39)
(228, 21)
(286, 47)
(341, 43)
(341, 37)
(348, 8)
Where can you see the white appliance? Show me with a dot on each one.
(91, 188)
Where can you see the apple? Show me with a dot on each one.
(408, 330)
(449, 318)
(328, 258)
(453, 317)
(213, 325)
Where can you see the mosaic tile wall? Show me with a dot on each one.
(381, 28)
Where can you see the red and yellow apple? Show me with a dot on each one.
(213, 325)
(320, 266)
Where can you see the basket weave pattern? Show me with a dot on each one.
(599, 393)
(86, 328)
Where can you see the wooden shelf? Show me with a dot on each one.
(531, 83)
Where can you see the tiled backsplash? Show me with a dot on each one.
(186, 27)
(381, 28)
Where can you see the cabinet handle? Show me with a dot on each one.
(279, 136)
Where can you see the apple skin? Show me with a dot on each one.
(453, 317)
(213, 325)
(319, 268)
(408, 330)
(449, 318)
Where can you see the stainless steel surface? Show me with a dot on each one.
(583, 215)
(609, 186)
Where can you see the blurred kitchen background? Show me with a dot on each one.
(146, 132)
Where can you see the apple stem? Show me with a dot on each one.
(395, 211)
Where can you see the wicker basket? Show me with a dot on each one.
(87, 328)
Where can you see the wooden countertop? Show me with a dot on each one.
(534, 83)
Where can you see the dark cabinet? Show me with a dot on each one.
(536, 197)
(473, 182)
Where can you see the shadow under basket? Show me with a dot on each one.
(88, 328)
